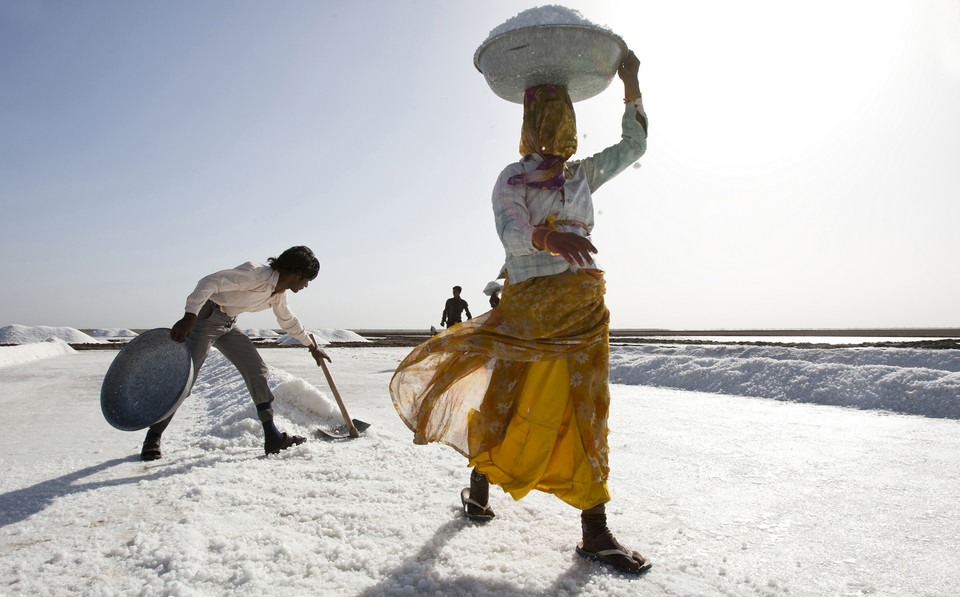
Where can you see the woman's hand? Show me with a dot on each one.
(574, 248)
(628, 71)
(629, 66)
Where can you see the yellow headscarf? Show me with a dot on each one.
(549, 123)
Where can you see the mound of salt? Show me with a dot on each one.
(23, 334)
(325, 336)
(113, 333)
(16, 355)
(258, 333)
(543, 15)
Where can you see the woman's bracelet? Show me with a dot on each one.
(543, 244)
(545, 237)
(534, 237)
(545, 247)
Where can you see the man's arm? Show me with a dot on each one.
(288, 321)
(467, 309)
(290, 324)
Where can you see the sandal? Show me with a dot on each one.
(285, 441)
(485, 514)
(615, 558)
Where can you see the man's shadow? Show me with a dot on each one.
(20, 504)
(406, 575)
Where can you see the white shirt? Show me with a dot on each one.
(247, 288)
(519, 208)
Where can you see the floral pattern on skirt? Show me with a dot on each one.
(522, 390)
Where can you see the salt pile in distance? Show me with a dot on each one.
(23, 334)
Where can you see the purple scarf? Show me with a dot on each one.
(548, 175)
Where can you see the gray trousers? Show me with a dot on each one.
(214, 328)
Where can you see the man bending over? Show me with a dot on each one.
(210, 320)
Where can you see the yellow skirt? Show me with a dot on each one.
(521, 391)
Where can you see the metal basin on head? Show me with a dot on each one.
(582, 58)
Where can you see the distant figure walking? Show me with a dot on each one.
(454, 308)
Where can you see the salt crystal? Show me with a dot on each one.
(553, 14)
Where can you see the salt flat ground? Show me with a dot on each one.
(727, 495)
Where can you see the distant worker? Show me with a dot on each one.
(210, 320)
(492, 289)
(454, 308)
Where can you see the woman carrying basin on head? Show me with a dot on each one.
(522, 391)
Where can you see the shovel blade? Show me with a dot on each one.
(342, 431)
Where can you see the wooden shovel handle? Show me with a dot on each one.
(336, 394)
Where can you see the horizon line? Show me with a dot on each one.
(917, 332)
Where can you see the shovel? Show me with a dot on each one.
(351, 427)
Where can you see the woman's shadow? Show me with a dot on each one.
(415, 570)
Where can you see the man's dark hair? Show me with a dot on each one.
(297, 260)
(458, 289)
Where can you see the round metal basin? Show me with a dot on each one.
(582, 58)
(147, 381)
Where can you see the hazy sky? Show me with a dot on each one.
(801, 170)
